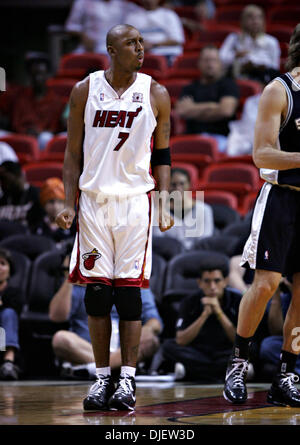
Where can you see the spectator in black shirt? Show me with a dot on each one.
(209, 103)
(19, 201)
(206, 327)
(11, 302)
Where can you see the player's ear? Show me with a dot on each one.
(111, 50)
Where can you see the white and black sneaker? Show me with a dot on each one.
(99, 394)
(124, 396)
(235, 390)
(283, 391)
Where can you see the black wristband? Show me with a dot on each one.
(161, 156)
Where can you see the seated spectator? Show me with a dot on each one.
(271, 346)
(19, 201)
(206, 327)
(209, 103)
(74, 346)
(251, 53)
(193, 219)
(241, 135)
(160, 27)
(35, 109)
(90, 20)
(11, 303)
(7, 153)
(52, 196)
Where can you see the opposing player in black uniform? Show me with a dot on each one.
(273, 246)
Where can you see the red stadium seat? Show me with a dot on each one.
(284, 15)
(248, 88)
(281, 32)
(214, 34)
(25, 146)
(248, 203)
(195, 149)
(154, 65)
(178, 125)
(62, 87)
(240, 179)
(55, 149)
(36, 173)
(174, 87)
(219, 197)
(247, 159)
(191, 169)
(185, 66)
(230, 14)
(77, 65)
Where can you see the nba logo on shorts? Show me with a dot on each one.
(266, 255)
(136, 264)
(101, 97)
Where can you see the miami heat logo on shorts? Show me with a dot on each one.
(90, 258)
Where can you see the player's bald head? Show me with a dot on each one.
(116, 33)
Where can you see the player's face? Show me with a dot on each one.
(130, 50)
(212, 283)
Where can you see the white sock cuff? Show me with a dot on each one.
(128, 370)
(103, 371)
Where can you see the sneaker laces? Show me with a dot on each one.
(238, 371)
(125, 385)
(289, 380)
(100, 384)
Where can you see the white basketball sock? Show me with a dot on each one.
(127, 371)
(105, 372)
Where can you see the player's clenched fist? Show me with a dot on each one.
(65, 218)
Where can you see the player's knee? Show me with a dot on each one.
(98, 300)
(266, 288)
(128, 303)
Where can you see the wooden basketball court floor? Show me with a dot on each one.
(167, 403)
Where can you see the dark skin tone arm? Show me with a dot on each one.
(161, 105)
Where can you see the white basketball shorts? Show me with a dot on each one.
(113, 244)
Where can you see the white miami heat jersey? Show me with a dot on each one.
(117, 139)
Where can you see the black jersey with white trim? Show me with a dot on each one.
(289, 134)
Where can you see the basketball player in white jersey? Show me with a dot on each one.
(272, 248)
(113, 115)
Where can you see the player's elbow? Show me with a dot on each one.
(258, 159)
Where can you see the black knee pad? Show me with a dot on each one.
(128, 303)
(98, 299)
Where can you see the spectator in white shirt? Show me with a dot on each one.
(160, 27)
(251, 53)
(90, 20)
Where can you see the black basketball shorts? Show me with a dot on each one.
(274, 241)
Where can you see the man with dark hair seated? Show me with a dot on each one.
(11, 302)
(206, 328)
(19, 201)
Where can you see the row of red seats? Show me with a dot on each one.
(75, 66)
(209, 170)
(231, 184)
(284, 14)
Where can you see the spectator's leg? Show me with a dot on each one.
(70, 347)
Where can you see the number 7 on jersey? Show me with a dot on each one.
(123, 138)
